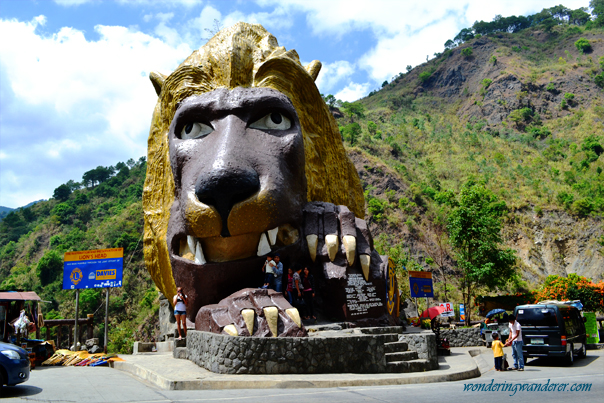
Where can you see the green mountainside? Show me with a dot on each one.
(521, 112)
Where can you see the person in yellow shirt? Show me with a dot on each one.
(497, 347)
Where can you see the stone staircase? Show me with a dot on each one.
(399, 359)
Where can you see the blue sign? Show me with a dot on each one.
(93, 269)
(420, 284)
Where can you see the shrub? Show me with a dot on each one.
(569, 96)
(571, 288)
(424, 76)
(592, 143)
(599, 80)
(493, 60)
(539, 132)
(371, 127)
(563, 104)
(520, 116)
(550, 87)
(467, 52)
(583, 45)
(538, 211)
(561, 60)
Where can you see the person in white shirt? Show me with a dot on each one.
(515, 340)
(180, 311)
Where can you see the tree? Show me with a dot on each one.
(433, 238)
(475, 236)
(385, 83)
(579, 16)
(371, 127)
(331, 101)
(449, 44)
(597, 10)
(49, 268)
(62, 193)
(353, 109)
(467, 52)
(583, 45)
(408, 68)
(351, 132)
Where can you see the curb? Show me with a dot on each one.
(290, 381)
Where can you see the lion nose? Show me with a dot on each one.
(223, 189)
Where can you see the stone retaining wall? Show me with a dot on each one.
(288, 355)
(425, 345)
(462, 337)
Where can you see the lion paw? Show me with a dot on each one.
(251, 312)
(337, 238)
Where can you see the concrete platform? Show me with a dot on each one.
(167, 372)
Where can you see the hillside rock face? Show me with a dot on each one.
(558, 243)
(555, 243)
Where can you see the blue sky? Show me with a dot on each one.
(74, 87)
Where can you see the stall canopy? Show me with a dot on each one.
(19, 296)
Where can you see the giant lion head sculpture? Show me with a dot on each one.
(240, 140)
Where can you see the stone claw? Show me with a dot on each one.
(350, 246)
(294, 315)
(312, 241)
(365, 264)
(248, 317)
(271, 313)
(231, 330)
(331, 242)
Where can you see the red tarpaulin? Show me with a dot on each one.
(19, 296)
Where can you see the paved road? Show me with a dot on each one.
(68, 384)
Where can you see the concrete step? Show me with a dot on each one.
(396, 347)
(180, 343)
(401, 356)
(180, 352)
(418, 365)
(381, 330)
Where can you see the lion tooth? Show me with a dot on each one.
(365, 262)
(185, 252)
(191, 243)
(263, 246)
(272, 235)
(248, 318)
(331, 242)
(231, 330)
(199, 257)
(350, 246)
(272, 315)
(312, 241)
(295, 316)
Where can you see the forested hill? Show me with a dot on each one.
(103, 210)
(518, 109)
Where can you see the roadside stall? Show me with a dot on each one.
(496, 321)
(20, 318)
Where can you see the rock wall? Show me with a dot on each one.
(462, 337)
(288, 355)
(424, 344)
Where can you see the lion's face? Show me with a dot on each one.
(237, 158)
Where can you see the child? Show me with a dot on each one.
(497, 347)
(268, 271)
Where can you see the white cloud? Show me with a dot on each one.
(332, 74)
(96, 94)
(69, 3)
(353, 91)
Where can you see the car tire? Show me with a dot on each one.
(570, 357)
(583, 352)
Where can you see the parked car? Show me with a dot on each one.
(14, 365)
(552, 330)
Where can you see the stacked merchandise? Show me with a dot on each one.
(80, 358)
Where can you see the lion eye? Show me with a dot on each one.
(195, 131)
(272, 121)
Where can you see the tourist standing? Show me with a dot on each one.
(308, 283)
(289, 291)
(269, 276)
(497, 347)
(180, 312)
(515, 340)
(278, 272)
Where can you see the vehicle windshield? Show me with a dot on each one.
(537, 317)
